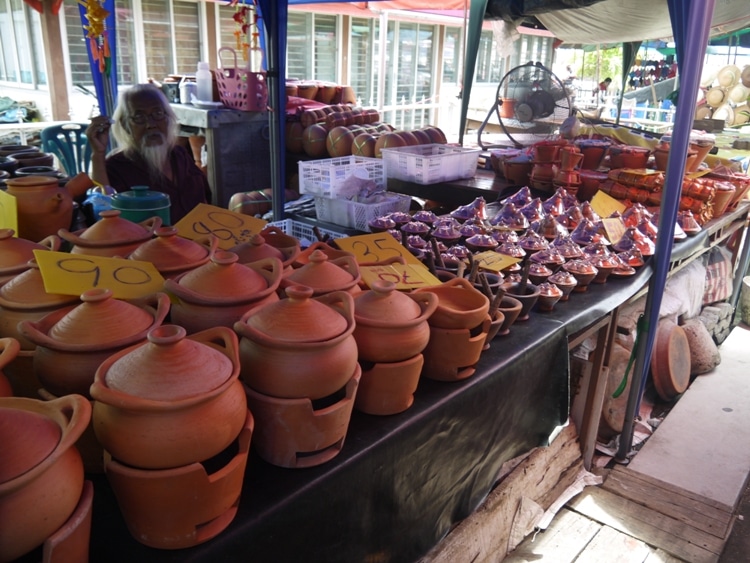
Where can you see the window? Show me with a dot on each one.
(172, 37)
(21, 54)
(316, 61)
(451, 55)
(365, 64)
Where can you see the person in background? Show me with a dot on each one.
(146, 130)
(603, 86)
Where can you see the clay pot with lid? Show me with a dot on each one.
(111, 235)
(9, 348)
(15, 253)
(325, 275)
(71, 343)
(333, 253)
(219, 292)
(287, 244)
(43, 206)
(391, 326)
(299, 346)
(172, 254)
(172, 400)
(460, 305)
(257, 248)
(41, 472)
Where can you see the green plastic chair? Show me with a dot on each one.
(68, 142)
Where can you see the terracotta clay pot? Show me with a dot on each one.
(391, 326)
(173, 255)
(333, 253)
(528, 298)
(182, 506)
(325, 275)
(510, 307)
(170, 401)
(33, 158)
(496, 323)
(41, 477)
(388, 388)
(623, 156)
(9, 348)
(460, 305)
(111, 235)
(287, 244)
(452, 354)
(15, 253)
(256, 249)
(71, 343)
(43, 206)
(594, 151)
(222, 290)
(299, 346)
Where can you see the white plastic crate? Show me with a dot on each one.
(430, 164)
(322, 177)
(303, 232)
(358, 215)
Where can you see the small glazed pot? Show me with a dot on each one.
(549, 295)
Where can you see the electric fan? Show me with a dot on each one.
(531, 104)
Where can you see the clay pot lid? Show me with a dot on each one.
(100, 319)
(384, 302)
(383, 222)
(26, 290)
(670, 360)
(111, 229)
(415, 228)
(169, 250)
(320, 272)
(256, 249)
(28, 438)
(223, 275)
(580, 267)
(169, 367)
(562, 277)
(31, 181)
(548, 289)
(16, 251)
(298, 318)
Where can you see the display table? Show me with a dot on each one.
(401, 482)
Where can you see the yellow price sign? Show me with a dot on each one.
(604, 204)
(405, 276)
(228, 227)
(72, 274)
(615, 228)
(495, 261)
(376, 247)
(8, 211)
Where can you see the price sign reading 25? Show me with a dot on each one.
(375, 247)
(228, 227)
(72, 274)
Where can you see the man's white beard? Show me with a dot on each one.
(156, 156)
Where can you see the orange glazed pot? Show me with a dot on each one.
(170, 401)
(299, 347)
(41, 472)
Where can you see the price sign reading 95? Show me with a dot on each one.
(376, 247)
(8, 211)
(72, 274)
(229, 227)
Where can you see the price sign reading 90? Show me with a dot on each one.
(376, 247)
(72, 274)
(228, 227)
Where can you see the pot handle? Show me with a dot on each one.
(151, 224)
(342, 301)
(223, 337)
(29, 330)
(52, 242)
(427, 301)
(461, 282)
(9, 348)
(210, 242)
(77, 409)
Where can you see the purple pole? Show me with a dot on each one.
(695, 36)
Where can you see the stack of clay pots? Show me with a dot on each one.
(391, 332)
(172, 417)
(458, 330)
(299, 366)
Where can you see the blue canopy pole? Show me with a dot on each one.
(274, 17)
(691, 22)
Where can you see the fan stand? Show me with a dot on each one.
(496, 110)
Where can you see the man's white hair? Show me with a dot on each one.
(122, 115)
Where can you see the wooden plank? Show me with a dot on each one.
(661, 556)
(655, 529)
(614, 547)
(484, 535)
(563, 541)
(675, 503)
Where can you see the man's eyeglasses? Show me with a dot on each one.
(143, 118)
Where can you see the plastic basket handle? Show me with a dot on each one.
(234, 54)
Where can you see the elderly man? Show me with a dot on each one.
(145, 128)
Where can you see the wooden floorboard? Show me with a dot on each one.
(651, 527)
(614, 547)
(669, 500)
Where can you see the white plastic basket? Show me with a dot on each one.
(321, 177)
(430, 164)
(303, 232)
(358, 215)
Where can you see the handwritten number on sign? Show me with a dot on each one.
(128, 275)
(225, 227)
(378, 254)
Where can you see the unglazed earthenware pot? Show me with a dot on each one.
(460, 305)
(15, 253)
(111, 235)
(41, 473)
(222, 290)
(71, 343)
(172, 254)
(391, 326)
(43, 207)
(325, 275)
(170, 401)
(299, 346)
(9, 348)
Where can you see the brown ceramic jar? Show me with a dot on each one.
(43, 206)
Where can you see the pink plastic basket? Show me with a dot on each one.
(239, 88)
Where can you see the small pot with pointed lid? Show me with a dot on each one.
(324, 274)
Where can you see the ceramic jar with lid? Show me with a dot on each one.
(111, 235)
(325, 275)
(172, 254)
(390, 325)
(172, 400)
(219, 292)
(43, 206)
(15, 253)
(256, 249)
(41, 474)
(299, 346)
(72, 342)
